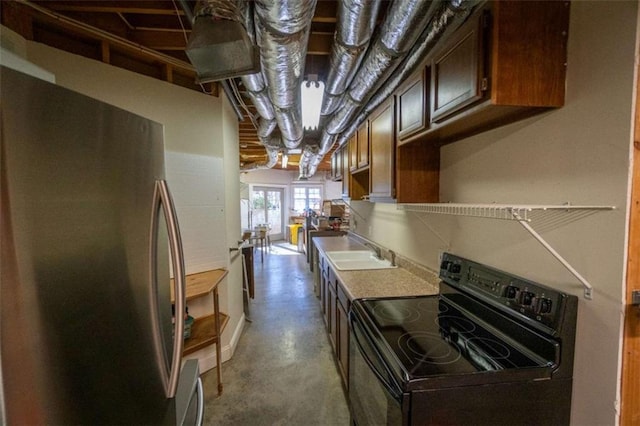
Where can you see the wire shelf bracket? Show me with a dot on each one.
(523, 214)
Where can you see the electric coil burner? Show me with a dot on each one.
(491, 348)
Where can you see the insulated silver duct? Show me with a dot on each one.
(404, 23)
(258, 93)
(443, 15)
(282, 32)
(443, 20)
(356, 21)
(309, 153)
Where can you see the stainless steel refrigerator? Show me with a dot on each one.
(88, 232)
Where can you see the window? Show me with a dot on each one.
(307, 197)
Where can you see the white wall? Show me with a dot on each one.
(288, 179)
(201, 140)
(579, 154)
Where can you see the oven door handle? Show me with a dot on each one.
(392, 388)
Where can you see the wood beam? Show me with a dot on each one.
(320, 44)
(105, 51)
(17, 17)
(325, 11)
(114, 6)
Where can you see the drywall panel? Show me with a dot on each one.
(194, 182)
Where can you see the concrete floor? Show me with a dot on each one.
(282, 372)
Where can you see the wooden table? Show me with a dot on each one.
(206, 330)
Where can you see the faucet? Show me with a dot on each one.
(393, 257)
(377, 250)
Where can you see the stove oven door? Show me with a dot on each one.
(375, 398)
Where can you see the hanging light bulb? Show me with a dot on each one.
(312, 93)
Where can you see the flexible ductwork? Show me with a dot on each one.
(354, 112)
(448, 15)
(309, 154)
(282, 32)
(405, 21)
(281, 29)
(356, 21)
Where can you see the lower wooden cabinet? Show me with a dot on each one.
(331, 308)
(335, 307)
(342, 320)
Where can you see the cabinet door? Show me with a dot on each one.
(353, 152)
(343, 343)
(412, 114)
(323, 290)
(363, 145)
(346, 150)
(381, 164)
(331, 314)
(457, 71)
(336, 165)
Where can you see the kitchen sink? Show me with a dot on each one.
(355, 260)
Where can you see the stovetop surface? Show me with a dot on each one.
(430, 336)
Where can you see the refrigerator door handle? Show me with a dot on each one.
(162, 198)
(200, 393)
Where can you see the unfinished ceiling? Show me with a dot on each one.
(149, 37)
(361, 49)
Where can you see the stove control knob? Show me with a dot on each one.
(544, 306)
(455, 268)
(526, 298)
(511, 291)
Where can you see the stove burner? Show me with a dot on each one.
(452, 323)
(396, 314)
(422, 347)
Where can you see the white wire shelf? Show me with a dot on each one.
(519, 212)
(544, 216)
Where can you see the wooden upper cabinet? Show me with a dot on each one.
(363, 145)
(382, 155)
(412, 107)
(353, 152)
(505, 63)
(345, 169)
(337, 164)
(458, 73)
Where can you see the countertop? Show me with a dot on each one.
(406, 280)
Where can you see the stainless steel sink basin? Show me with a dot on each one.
(355, 260)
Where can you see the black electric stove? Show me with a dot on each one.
(486, 342)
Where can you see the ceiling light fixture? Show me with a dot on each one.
(312, 92)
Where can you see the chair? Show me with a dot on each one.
(261, 235)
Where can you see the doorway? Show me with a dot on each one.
(267, 208)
